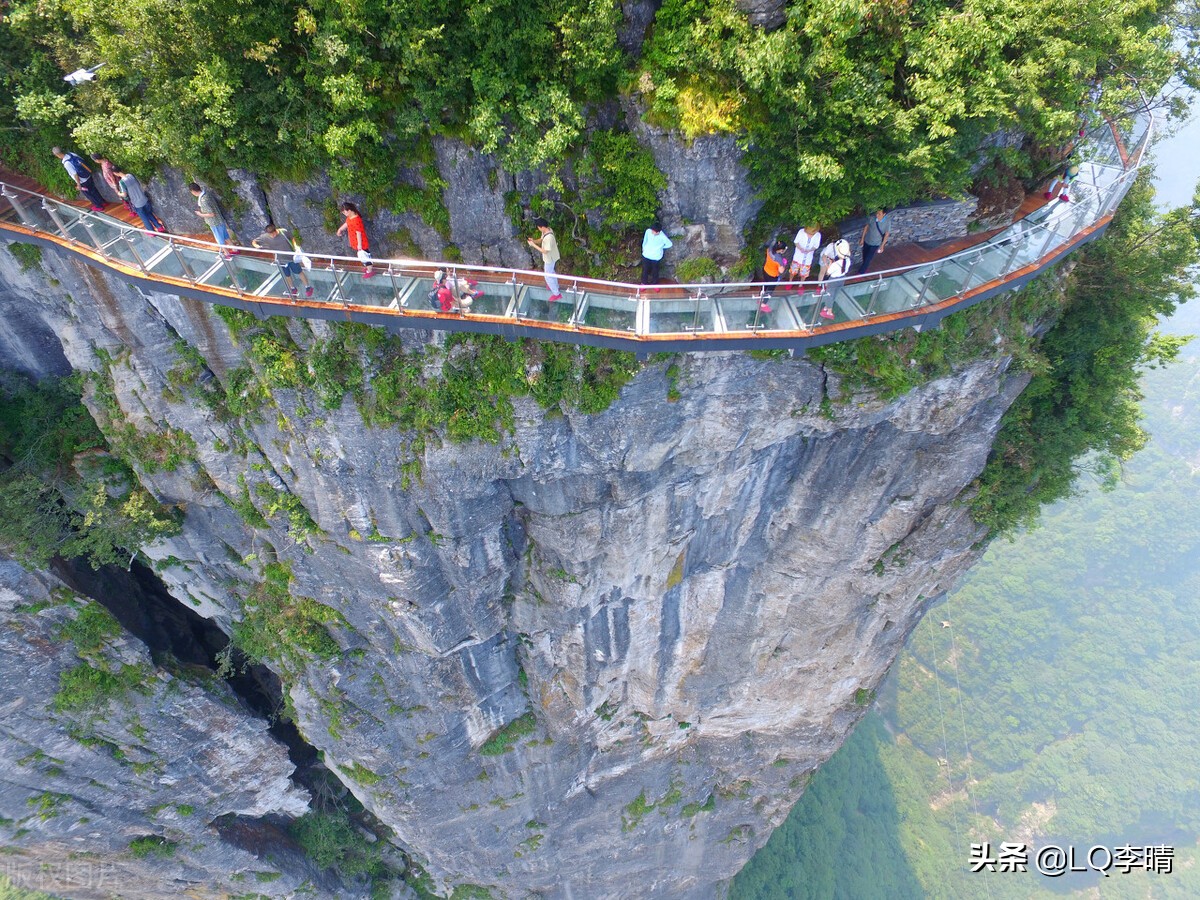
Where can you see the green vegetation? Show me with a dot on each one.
(61, 493)
(1072, 653)
(87, 689)
(633, 813)
(840, 839)
(845, 105)
(506, 738)
(850, 105)
(29, 256)
(361, 774)
(152, 846)
(332, 840)
(1080, 411)
(90, 630)
(278, 627)
(693, 271)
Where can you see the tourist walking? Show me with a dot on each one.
(547, 245)
(1062, 182)
(81, 174)
(356, 235)
(109, 173)
(776, 262)
(874, 237)
(808, 241)
(654, 244)
(131, 191)
(210, 211)
(276, 241)
(835, 265)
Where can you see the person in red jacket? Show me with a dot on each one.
(356, 234)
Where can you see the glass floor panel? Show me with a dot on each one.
(687, 316)
(497, 297)
(197, 261)
(535, 304)
(610, 312)
(747, 314)
(375, 291)
(146, 245)
(896, 294)
(948, 280)
(120, 249)
(990, 265)
(251, 274)
(104, 230)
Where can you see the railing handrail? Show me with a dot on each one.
(622, 286)
(1038, 225)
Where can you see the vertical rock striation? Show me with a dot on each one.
(600, 658)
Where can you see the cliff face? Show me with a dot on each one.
(89, 791)
(597, 659)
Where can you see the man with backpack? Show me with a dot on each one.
(81, 174)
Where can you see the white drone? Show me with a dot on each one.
(79, 76)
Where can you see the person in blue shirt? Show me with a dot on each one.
(654, 242)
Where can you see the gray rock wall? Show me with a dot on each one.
(162, 761)
(692, 599)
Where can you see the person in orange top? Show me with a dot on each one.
(775, 263)
(356, 234)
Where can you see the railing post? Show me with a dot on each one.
(339, 287)
(696, 316)
(85, 220)
(1012, 257)
(54, 217)
(391, 274)
(137, 257)
(1049, 240)
(516, 291)
(233, 275)
(874, 296)
(926, 278)
(577, 306)
(971, 270)
(16, 204)
(187, 272)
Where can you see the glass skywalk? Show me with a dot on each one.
(515, 302)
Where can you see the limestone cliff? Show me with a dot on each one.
(597, 659)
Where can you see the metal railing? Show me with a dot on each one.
(594, 311)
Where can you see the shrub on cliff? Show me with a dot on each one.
(1080, 411)
(61, 493)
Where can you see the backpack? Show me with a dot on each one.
(79, 168)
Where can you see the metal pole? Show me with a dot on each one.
(874, 296)
(58, 223)
(87, 226)
(1049, 240)
(971, 270)
(339, 287)
(137, 257)
(16, 204)
(927, 277)
(187, 272)
(233, 279)
(391, 274)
